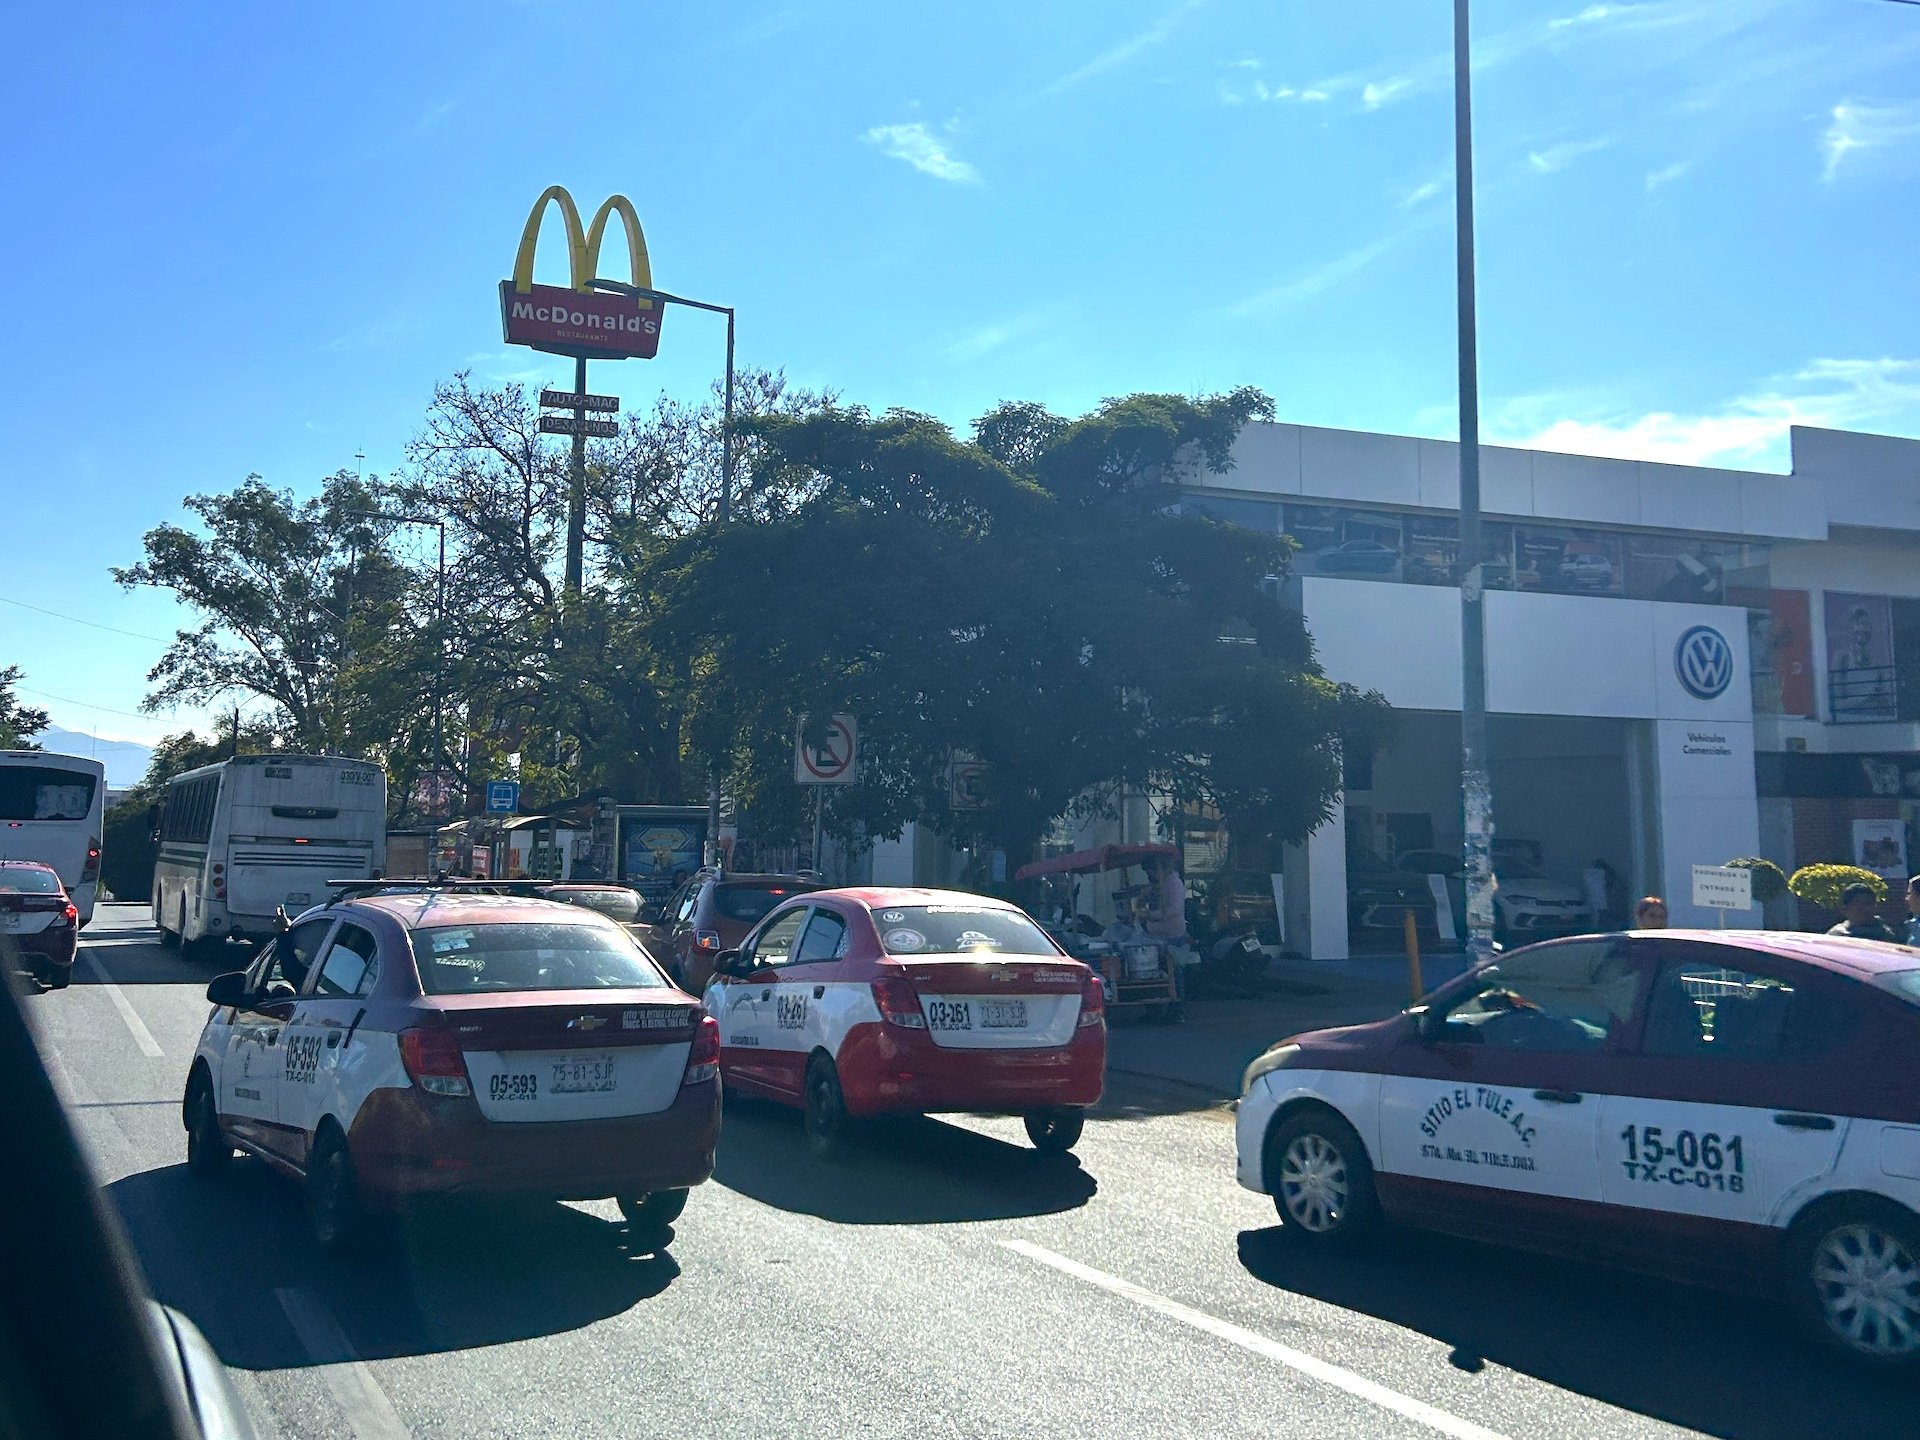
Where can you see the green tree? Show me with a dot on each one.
(1029, 597)
(18, 722)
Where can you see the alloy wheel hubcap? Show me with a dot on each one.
(1869, 1289)
(1313, 1183)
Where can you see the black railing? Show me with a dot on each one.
(1863, 694)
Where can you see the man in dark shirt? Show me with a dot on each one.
(1858, 902)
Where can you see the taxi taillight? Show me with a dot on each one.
(71, 914)
(434, 1061)
(899, 1002)
(703, 1058)
(1093, 1001)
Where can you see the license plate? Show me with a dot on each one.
(524, 1085)
(1004, 1014)
(949, 1015)
(588, 1076)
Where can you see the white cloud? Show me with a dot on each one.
(920, 148)
(1556, 158)
(1115, 56)
(1751, 428)
(1258, 91)
(1316, 281)
(1667, 174)
(1857, 128)
(984, 339)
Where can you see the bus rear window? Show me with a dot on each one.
(43, 792)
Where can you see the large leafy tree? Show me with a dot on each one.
(19, 722)
(1029, 597)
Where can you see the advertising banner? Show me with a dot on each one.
(1860, 656)
(1881, 846)
(656, 855)
(1780, 632)
(1568, 562)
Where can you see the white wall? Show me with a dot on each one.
(1868, 480)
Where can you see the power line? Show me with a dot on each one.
(64, 700)
(93, 624)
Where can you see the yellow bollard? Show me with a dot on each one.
(1414, 987)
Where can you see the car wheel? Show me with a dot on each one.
(827, 1120)
(1854, 1277)
(653, 1212)
(53, 976)
(207, 1149)
(333, 1195)
(1055, 1132)
(1320, 1178)
(168, 938)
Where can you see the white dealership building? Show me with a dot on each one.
(1685, 664)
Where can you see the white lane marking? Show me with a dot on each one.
(348, 1380)
(142, 1036)
(1357, 1385)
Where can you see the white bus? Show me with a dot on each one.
(240, 839)
(51, 807)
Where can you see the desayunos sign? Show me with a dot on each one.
(581, 320)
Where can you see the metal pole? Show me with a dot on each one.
(725, 516)
(440, 651)
(819, 800)
(577, 486)
(1476, 787)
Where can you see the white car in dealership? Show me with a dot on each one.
(1528, 904)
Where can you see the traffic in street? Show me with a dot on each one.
(943, 1279)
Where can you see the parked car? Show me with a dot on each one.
(39, 922)
(391, 1048)
(1379, 898)
(712, 912)
(1716, 1107)
(1587, 570)
(1528, 904)
(856, 1003)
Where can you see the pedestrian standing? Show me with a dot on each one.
(1650, 913)
(1912, 936)
(1858, 903)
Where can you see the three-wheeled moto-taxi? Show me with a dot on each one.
(1136, 970)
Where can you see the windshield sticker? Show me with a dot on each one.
(450, 940)
(974, 940)
(892, 917)
(904, 941)
(461, 962)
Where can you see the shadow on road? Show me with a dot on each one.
(135, 957)
(1719, 1364)
(900, 1172)
(220, 1249)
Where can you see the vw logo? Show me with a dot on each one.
(1704, 662)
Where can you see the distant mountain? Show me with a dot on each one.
(126, 760)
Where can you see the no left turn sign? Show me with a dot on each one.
(831, 761)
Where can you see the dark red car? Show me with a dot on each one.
(391, 1048)
(713, 912)
(39, 921)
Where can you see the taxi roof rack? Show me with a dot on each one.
(415, 883)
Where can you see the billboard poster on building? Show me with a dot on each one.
(656, 855)
(1881, 846)
(1859, 656)
(1350, 544)
(1569, 562)
(1780, 636)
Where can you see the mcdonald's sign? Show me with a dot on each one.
(577, 319)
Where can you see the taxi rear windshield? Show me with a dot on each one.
(28, 880)
(749, 903)
(958, 930)
(478, 959)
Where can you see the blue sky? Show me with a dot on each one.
(252, 237)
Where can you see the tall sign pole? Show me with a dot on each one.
(577, 485)
(1476, 788)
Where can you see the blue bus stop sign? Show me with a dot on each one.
(503, 797)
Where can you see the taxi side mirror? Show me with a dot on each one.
(228, 989)
(729, 963)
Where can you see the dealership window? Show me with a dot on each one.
(1260, 515)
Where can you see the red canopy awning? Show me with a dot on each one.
(1089, 862)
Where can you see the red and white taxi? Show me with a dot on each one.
(854, 1003)
(394, 1047)
(1739, 1109)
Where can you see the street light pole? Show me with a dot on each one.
(723, 511)
(577, 487)
(1476, 787)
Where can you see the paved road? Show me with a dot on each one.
(946, 1282)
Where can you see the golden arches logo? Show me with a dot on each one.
(583, 246)
(579, 320)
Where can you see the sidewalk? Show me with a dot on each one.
(1211, 1049)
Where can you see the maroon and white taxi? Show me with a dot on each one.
(394, 1047)
(39, 923)
(867, 1002)
(1739, 1109)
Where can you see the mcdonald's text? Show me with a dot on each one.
(572, 322)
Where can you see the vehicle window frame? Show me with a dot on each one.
(685, 903)
(369, 975)
(257, 971)
(750, 947)
(1817, 985)
(841, 948)
(1622, 1038)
